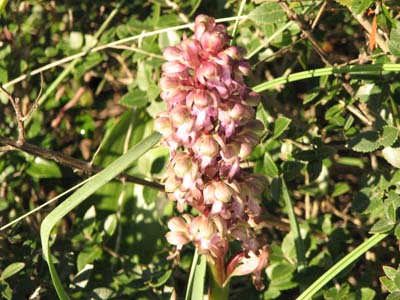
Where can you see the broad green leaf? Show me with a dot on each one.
(367, 294)
(389, 136)
(82, 194)
(195, 288)
(42, 168)
(12, 269)
(392, 155)
(270, 167)
(394, 41)
(136, 98)
(382, 226)
(281, 124)
(367, 141)
(267, 13)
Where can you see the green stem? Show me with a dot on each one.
(294, 227)
(237, 20)
(353, 69)
(217, 277)
(341, 265)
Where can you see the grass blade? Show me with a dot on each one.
(195, 288)
(294, 227)
(341, 265)
(82, 194)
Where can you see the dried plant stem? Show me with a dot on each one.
(106, 46)
(71, 162)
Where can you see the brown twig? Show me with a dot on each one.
(72, 162)
(57, 120)
(15, 102)
(307, 33)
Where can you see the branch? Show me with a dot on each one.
(360, 112)
(73, 163)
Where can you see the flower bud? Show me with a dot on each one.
(179, 115)
(172, 67)
(169, 83)
(223, 192)
(172, 53)
(163, 126)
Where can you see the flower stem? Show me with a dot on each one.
(217, 276)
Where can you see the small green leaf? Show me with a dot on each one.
(382, 226)
(76, 40)
(267, 13)
(42, 168)
(314, 168)
(87, 256)
(170, 38)
(281, 124)
(81, 279)
(340, 189)
(358, 6)
(367, 294)
(270, 167)
(392, 156)
(367, 141)
(12, 269)
(389, 272)
(161, 280)
(110, 224)
(389, 136)
(345, 2)
(396, 279)
(388, 284)
(136, 98)
(394, 41)
(394, 296)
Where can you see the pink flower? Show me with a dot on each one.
(210, 129)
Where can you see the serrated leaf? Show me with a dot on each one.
(392, 156)
(382, 226)
(394, 41)
(367, 141)
(389, 136)
(389, 272)
(12, 269)
(281, 124)
(270, 167)
(267, 13)
(136, 98)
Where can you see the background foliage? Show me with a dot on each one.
(331, 139)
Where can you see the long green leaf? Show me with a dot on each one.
(195, 288)
(82, 194)
(341, 265)
(3, 4)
